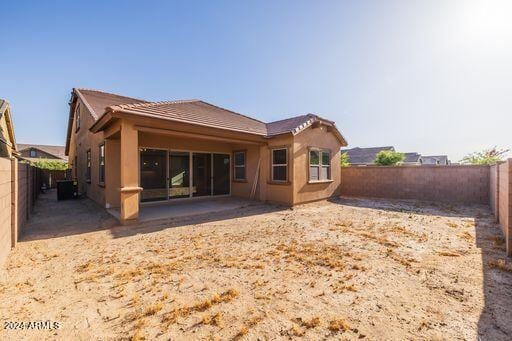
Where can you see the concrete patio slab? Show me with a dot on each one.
(185, 208)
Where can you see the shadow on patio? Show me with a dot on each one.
(53, 219)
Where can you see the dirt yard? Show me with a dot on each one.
(354, 269)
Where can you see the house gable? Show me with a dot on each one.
(7, 140)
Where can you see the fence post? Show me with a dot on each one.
(497, 202)
(14, 201)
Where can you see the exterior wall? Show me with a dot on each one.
(465, 184)
(81, 141)
(5, 208)
(276, 192)
(303, 190)
(243, 188)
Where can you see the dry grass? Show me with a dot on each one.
(327, 262)
(338, 325)
(501, 264)
(212, 319)
(448, 253)
(312, 322)
(153, 309)
(175, 314)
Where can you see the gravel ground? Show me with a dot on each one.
(345, 268)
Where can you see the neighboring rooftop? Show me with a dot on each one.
(364, 156)
(412, 158)
(435, 160)
(57, 151)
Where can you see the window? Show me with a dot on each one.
(102, 164)
(33, 153)
(239, 166)
(280, 165)
(88, 166)
(77, 116)
(319, 165)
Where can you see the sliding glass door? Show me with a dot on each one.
(153, 174)
(202, 174)
(168, 175)
(179, 175)
(220, 174)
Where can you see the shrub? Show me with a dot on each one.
(389, 158)
(345, 162)
(485, 157)
(50, 165)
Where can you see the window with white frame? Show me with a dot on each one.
(239, 163)
(33, 153)
(280, 165)
(319, 165)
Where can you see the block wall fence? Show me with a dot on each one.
(501, 199)
(19, 188)
(488, 185)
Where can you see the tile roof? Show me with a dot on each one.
(364, 156)
(195, 112)
(57, 151)
(289, 124)
(97, 101)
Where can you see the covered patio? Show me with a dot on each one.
(161, 211)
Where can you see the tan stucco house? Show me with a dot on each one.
(127, 152)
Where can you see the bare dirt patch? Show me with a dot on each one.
(354, 269)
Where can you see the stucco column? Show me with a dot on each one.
(129, 171)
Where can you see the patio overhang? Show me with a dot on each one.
(177, 133)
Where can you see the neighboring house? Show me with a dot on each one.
(36, 152)
(126, 152)
(412, 159)
(364, 156)
(7, 141)
(435, 160)
(8, 183)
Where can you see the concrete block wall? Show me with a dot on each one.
(5, 208)
(461, 184)
(501, 205)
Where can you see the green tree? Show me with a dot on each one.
(389, 158)
(50, 164)
(485, 157)
(345, 160)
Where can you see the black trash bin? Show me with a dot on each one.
(66, 189)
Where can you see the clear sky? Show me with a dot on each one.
(429, 76)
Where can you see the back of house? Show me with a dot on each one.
(127, 152)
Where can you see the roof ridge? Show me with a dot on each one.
(234, 112)
(43, 145)
(288, 118)
(150, 104)
(109, 93)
